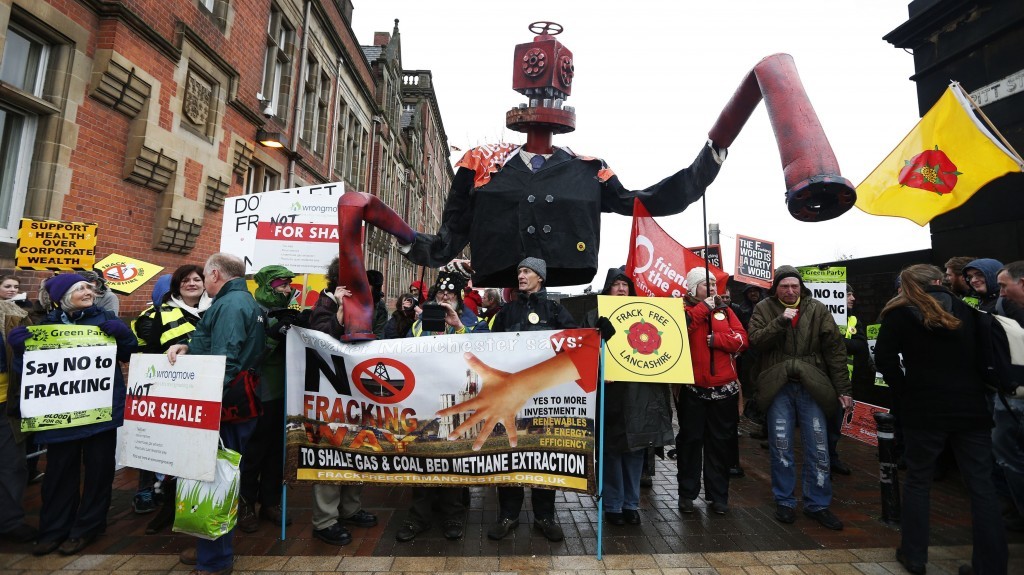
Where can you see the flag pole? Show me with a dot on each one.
(989, 123)
(600, 451)
(707, 270)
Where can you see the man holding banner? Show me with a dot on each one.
(444, 501)
(531, 311)
(232, 327)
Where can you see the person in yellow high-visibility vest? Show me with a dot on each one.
(179, 301)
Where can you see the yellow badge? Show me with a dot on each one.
(533, 317)
(580, 246)
(719, 315)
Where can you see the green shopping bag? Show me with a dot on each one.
(209, 509)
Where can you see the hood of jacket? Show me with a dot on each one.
(989, 268)
(265, 294)
(940, 294)
(618, 273)
(160, 289)
(783, 272)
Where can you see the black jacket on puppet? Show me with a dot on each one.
(943, 387)
(637, 415)
(507, 212)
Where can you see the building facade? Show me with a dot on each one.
(143, 117)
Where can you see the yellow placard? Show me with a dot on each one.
(55, 245)
(650, 342)
(125, 274)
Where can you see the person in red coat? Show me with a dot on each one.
(709, 410)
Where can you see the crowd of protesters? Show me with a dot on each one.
(776, 356)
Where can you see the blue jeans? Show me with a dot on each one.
(793, 403)
(621, 489)
(219, 553)
(1008, 446)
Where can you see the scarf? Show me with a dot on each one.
(204, 304)
(795, 306)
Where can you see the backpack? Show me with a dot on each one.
(1002, 341)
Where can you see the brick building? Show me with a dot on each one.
(143, 116)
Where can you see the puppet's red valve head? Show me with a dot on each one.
(543, 71)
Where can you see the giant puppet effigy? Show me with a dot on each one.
(510, 201)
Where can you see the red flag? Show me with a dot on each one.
(657, 263)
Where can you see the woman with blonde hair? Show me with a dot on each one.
(940, 397)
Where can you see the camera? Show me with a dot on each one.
(432, 317)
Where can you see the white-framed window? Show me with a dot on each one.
(23, 71)
(276, 62)
(259, 178)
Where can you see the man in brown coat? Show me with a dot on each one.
(802, 377)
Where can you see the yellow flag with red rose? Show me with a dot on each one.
(939, 165)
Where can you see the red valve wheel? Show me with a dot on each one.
(546, 28)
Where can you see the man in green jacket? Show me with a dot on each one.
(802, 377)
(232, 327)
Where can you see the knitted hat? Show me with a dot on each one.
(58, 286)
(537, 265)
(450, 281)
(694, 278)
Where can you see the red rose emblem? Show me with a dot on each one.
(644, 338)
(930, 170)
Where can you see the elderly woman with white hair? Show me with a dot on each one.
(708, 411)
(79, 476)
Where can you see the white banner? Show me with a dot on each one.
(405, 411)
(172, 415)
(68, 380)
(828, 285)
(296, 228)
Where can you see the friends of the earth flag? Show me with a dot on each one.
(939, 165)
(657, 263)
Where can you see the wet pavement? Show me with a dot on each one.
(746, 540)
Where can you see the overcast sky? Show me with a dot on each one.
(652, 77)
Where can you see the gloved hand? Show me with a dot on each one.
(285, 315)
(17, 338)
(461, 267)
(117, 329)
(606, 327)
